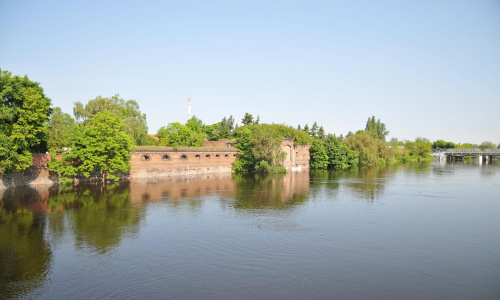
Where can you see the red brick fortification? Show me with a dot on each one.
(166, 162)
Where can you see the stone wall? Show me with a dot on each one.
(37, 174)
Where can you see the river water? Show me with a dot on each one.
(427, 231)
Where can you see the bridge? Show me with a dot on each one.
(459, 153)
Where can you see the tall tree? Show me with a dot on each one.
(24, 110)
(314, 130)
(306, 129)
(103, 147)
(128, 111)
(62, 130)
(321, 133)
(247, 119)
(319, 158)
(376, 128)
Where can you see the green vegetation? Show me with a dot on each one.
(259, 147)
(127, 111)
(366, 148)
(24, 111)
(101, 147)
(98, 142)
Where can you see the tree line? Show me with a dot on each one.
(103, 132)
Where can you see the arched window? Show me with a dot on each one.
(217, 156)
(207, 156)
(197, 156)
(184, 157)
(226, 156)
(165, 157)
(145, 157)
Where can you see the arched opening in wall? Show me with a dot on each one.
(184, 157)
(207, 156)
(217, 156)
(165, 157)
(145, 158)
(197, 156)
(226, 155)
(234, 155)
(288, 151)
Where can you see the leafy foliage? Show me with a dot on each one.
(101, 147)
(376, 129)
(127, 111)
(24, 109)
(62, 131)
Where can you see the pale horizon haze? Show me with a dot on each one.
(425, 68)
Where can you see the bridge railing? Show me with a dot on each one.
(464, 151)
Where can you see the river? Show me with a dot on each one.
(429, 231)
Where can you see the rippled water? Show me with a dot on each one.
(408, 232)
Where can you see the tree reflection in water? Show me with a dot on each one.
(25, 256)
(99, 217)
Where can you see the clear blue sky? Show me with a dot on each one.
(425, 68)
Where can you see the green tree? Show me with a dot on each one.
(442, 145)
(24, 110)
(376, 129)
(195, 124)
(128, 112)
(314, 130)
(339, 155)
(62, 131)
(487, 145)
(246, 161)
(306, 129)
(321, 133)
(247, 119)
(175, 134)
(319, 158)
(102, 147)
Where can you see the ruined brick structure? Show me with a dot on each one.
(218, 144)
(164, 162)
(297, 156)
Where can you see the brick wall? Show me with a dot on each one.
(167, 162)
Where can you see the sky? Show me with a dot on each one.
(424, 68)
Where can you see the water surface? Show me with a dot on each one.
(408, 232)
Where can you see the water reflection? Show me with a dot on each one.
(278, 191)
(96, 219)
(25, 256)
(99, 217)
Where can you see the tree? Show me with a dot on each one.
(306, 129)
(247, 119)
(102, 147)
(376, 129)
(339, 155)
(175, 134)
(24, 110)
(127, 111)
(319, 158)
(314, 130)
(62, 130)
(487, 145)
(321, 133)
